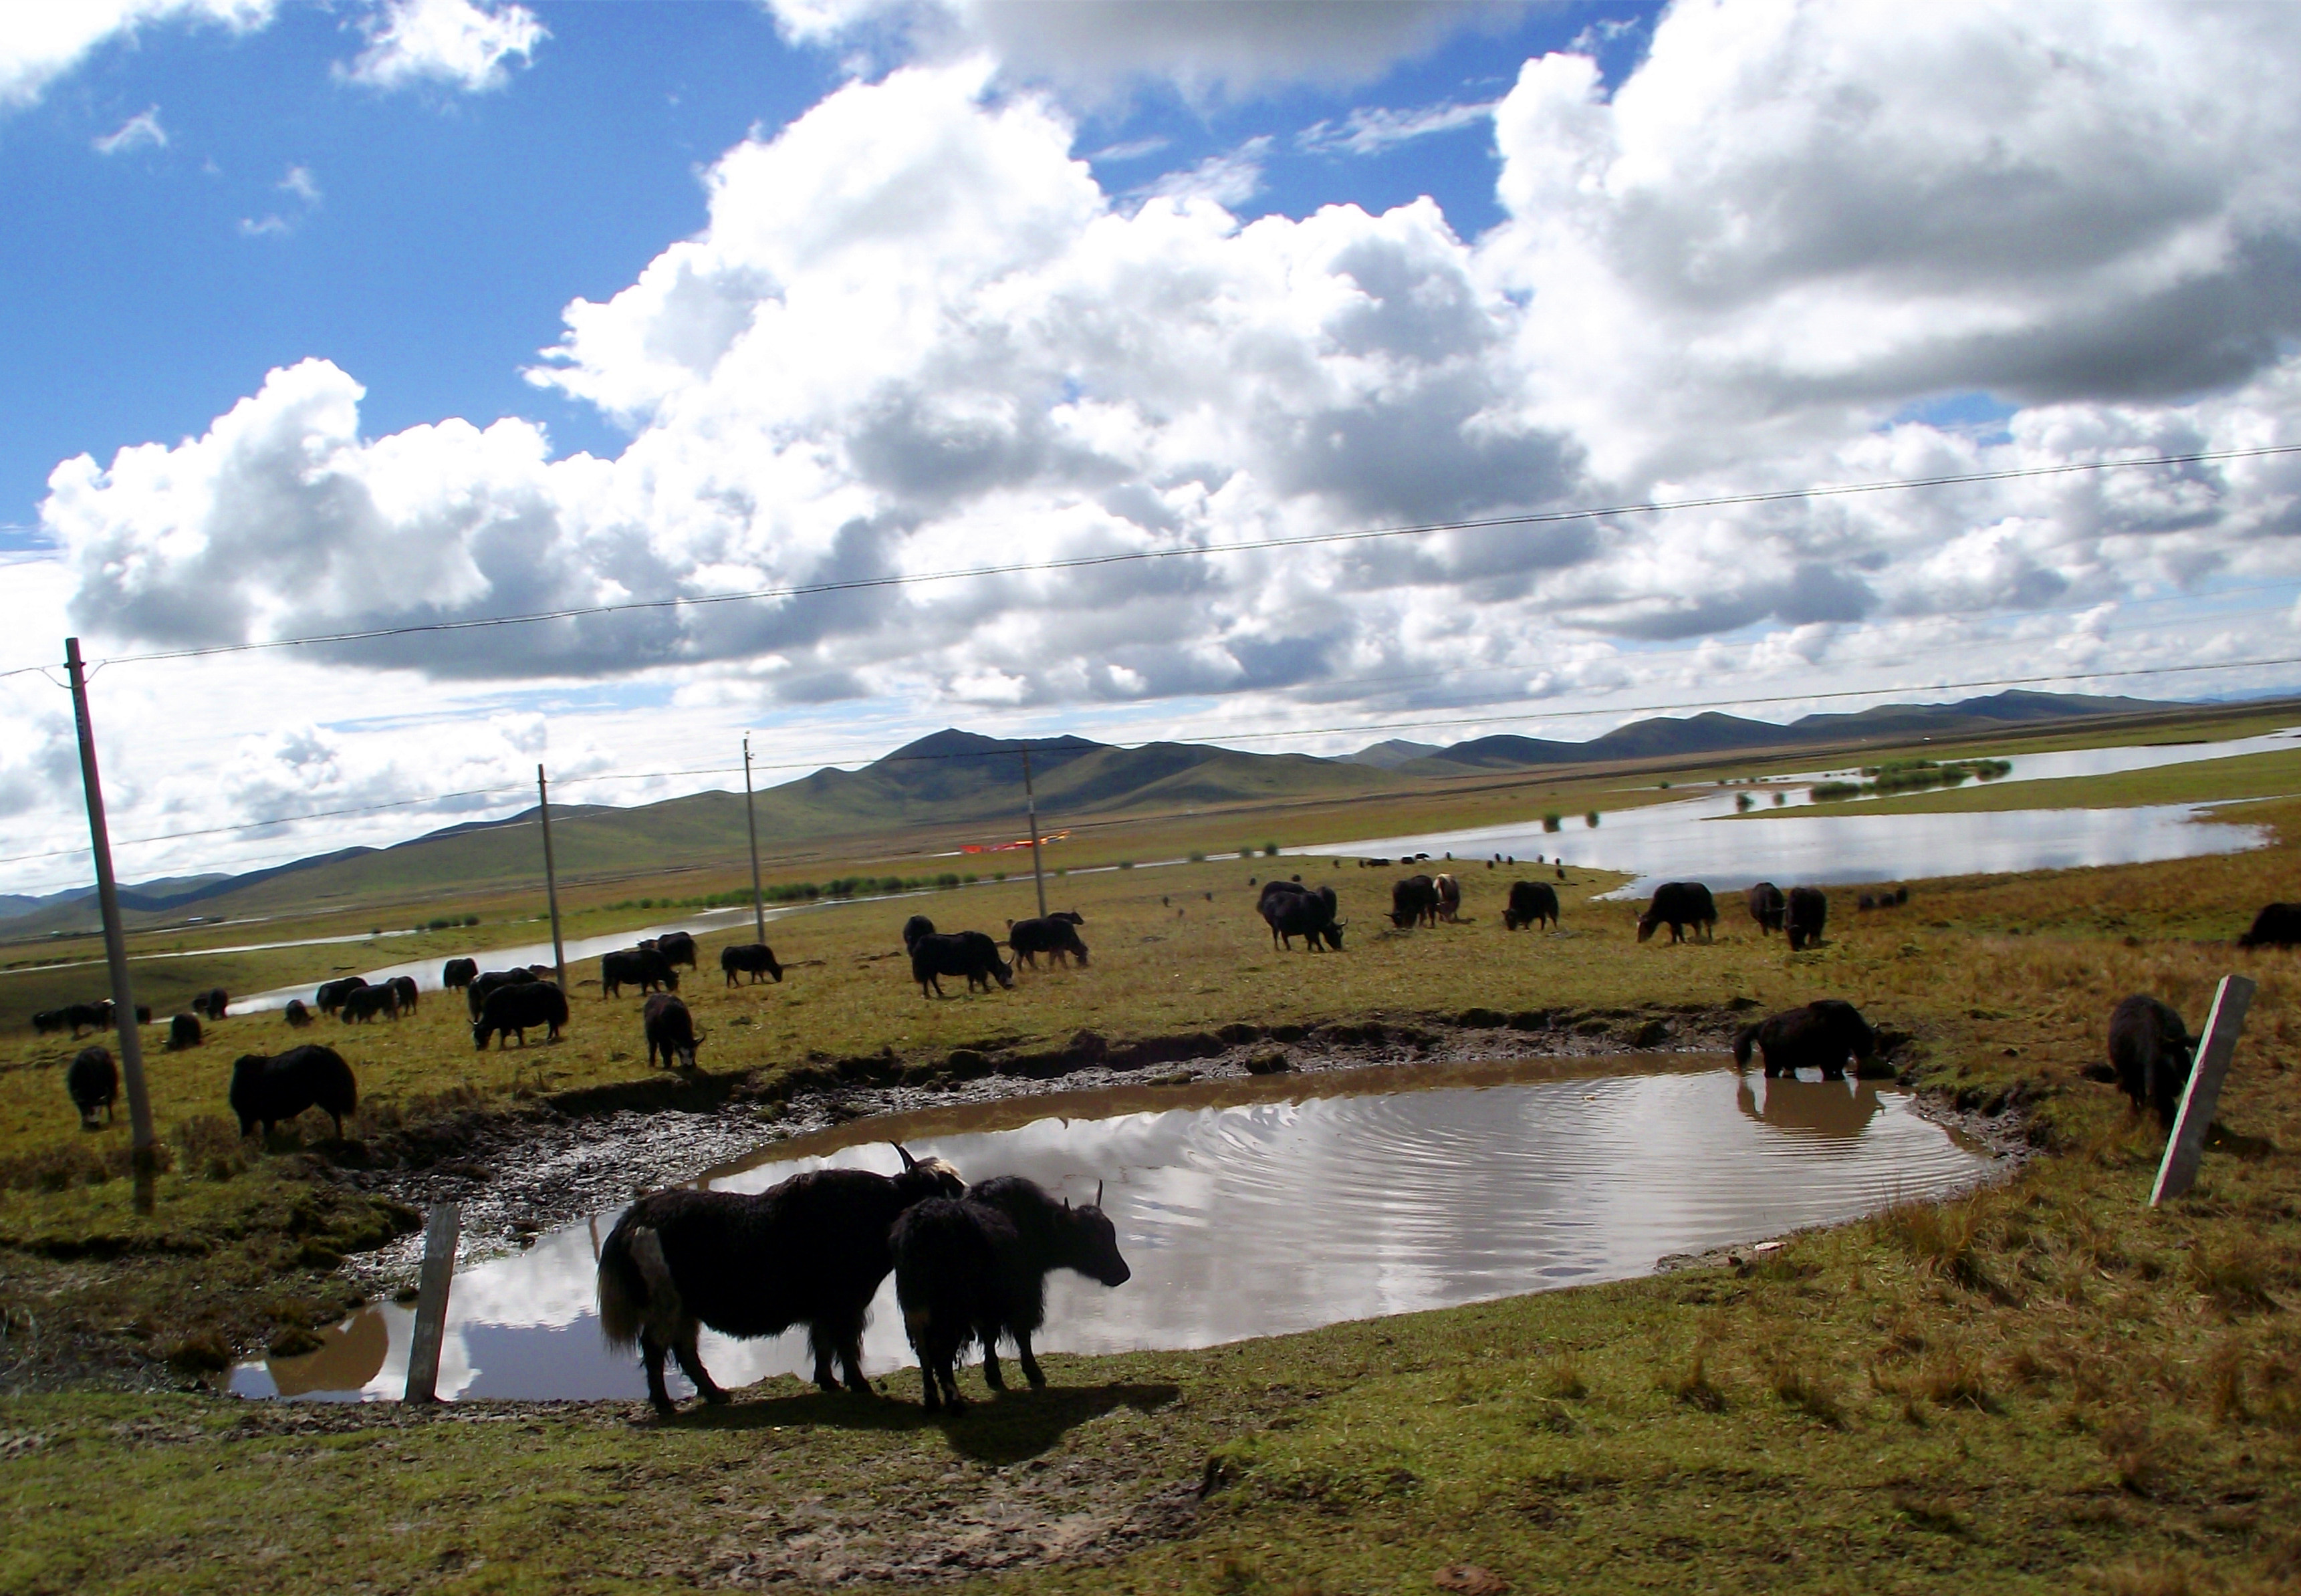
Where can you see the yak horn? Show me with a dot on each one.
(909, 1162)
(1098, 1194)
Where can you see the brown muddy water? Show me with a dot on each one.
(1261, 1208)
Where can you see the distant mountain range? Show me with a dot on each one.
(956, 778)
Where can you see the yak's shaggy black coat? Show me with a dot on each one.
(969, 953)
(272, 1089)
(1820, 1036)
(757, 959)
(1678, 905)
(1531, 903)
(1767, 907)
(967, 1271)
(2150, 1049)
(519, 1007)
(810, 1251)
(1292, 910)
(93, 1082)
(1808, 911)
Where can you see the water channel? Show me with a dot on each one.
(1266, 1207)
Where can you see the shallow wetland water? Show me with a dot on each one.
(1264, 1207)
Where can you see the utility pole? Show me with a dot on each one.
(115, 941)
(550, 875)
(1038, 871)
(751, 824)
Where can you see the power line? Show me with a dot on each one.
(1133, 557)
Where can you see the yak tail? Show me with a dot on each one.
(1742, 1040)
(655, 1307)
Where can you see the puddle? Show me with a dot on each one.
(1262, 1208)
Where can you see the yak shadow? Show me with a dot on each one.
(1004, 1429)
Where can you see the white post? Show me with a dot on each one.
(431, 1303)
(115, 940)
(2185, 1149)
(550, 875)
(1038, 872)
(751, 824)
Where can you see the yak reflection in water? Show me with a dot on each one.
(349, 1355)
(1821, 1110)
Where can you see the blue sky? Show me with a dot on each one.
(398, 314)
(445, 230)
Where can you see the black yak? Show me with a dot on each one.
(1820, 1036)
(645, 968)
(458, 973)
(1056, 936)
(368, 1002)
(296, 1014)
(677, 948)
(332, 994)
(93, 1082)
(1413, 901)
(212, 1004)
(913, 928)
(1531, 903)
(2278, 925)
(757, 959)
(2151, 1049)
(670, 1031)
(1766, 908)
(809, 1252)
(519, 1007)
(183, 1032)
(272, 1089)
(1292, 911)
(969, 953)
(476, 994)
(404, 991)
(1678, 905)
(1808, 911)
(969, 1269)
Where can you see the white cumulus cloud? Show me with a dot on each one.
(41, 41)
(461, 44)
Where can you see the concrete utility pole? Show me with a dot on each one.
(1038, 870)
(751, 824)
(115, 941)
(550, 875)
(2185, 1147)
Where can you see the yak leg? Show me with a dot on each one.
(991, 1375)
(850, 1357)
(690, 1364)
(651, 1351)
(824, 1338)
(1030, 1364)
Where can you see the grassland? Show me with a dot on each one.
(2042, 1386)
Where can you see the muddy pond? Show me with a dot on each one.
(1263, 1206)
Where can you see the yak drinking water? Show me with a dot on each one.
(1820, 1036)
(810, 1251)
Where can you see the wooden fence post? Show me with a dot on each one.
(432, 1302)
(2185, 1146)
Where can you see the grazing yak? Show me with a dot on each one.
(79, 1016)
(677, 948)
(368, 1002)
(1678, 905)
(1413, 901)
(183, 1032)
(1292, 911)
(755, 958)
(969, 953)
(810, 1251)
(481, 986)
(332, 994)
(93, 1082)
(212, 1004)
(1766, 908)
(670, 1031)
(913, 928)
(1531, 903)
(458, 973)
(403, 989)
(518, 1008)
(1807, 914)
(645, 968)
(2151, 1050)
(1450, 898)
(1820, 1036)
(269, 1090)
(1056, 936)
(296, 1014)
(969, 1269)
(2278, 925)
